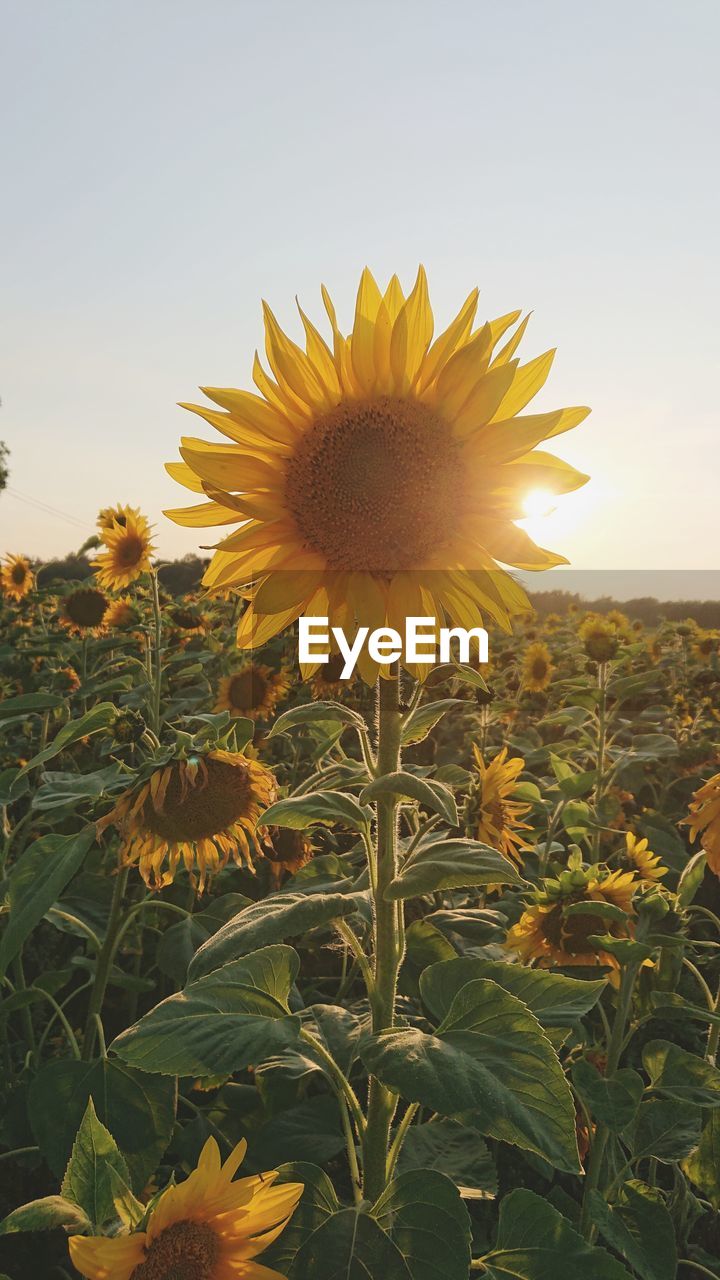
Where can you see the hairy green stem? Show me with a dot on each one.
(105, 963)
(157, 645)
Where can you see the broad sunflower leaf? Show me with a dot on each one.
(555, 999)
(326, 807)
(423, 1213)
(26, 703)
(98, 718)
(36, 882)
(431, 795)
(640, 1229)
(222, 1022)
(317, 1203)
(665, 1129)
(310, 712)
(681, 1075)
(451, 864)
(612, 1100)
(703, 1166)
(349, 1245)
(424, 718)
(535, 1242)
(282, 915)
(178, 944)
(455, 1149)
(137, 1108)
(45, 1215)
(87, 1181)
(490, 1059)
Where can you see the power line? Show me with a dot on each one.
(45, 507)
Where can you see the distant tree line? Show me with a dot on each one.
(649, 610)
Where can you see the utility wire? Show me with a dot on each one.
(45, 507)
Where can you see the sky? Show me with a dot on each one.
(167, 164)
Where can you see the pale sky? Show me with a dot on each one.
(167, 163)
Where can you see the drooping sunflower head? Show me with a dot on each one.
(379, 475)
(197, 812)
(491, 814)
(254, 690)
(16, 577)
(128, 551)
(638, 857)
(537, 667)
(120, 514)
(205, 1228)
(83, 610)
(600, 638)
(704, 820)
(66, 680)
(557, 927)
(189, 621)
(122, 614)
(287, 851)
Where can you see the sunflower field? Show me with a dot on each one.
(412, 974)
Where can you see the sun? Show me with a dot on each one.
(538, 503)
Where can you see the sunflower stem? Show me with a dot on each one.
(602, 733)
(387, 938)
(157, 645)
(104, 963)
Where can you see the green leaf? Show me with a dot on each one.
(87, 1177)
(327, 807)
(703, 1166)
(691, 878)
(653, 746)
(578, 784)
(424, 1215)
(282, 915)
(311, 1129)
(626, 950)
(682, 1075)
(455, 1149)
(535, 1242)
(665, 1129)
(423, 719)
(349, 1246)
(451, 864)
(639, 1228)
(138, 1109)
(36, 882)
(431, 795)
(489, 1058)
(99, 718)
(612, 1100)
(45, 1215)
(26, 703)
(555, 1000)
(223, 1022)
(178, 944)
(311, 712)
(317, 1204)
(424, 945)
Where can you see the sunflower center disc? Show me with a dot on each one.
(130, 550)
(198, 810)
(18, 574)
(184, 1251)
(247, 690)
(376, 485)
(86, 608)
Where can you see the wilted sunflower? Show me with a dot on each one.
(199, 811)
(205, 1228)
(84, 610)
(287, 851)
(537, 667)
(122, 614)
(599, 637)
(16, 577)
(128, 552)
(704, 820)
(253, 691)
(380, 476)
(549, 933)
(639, 858)
(490, 813)
(66, 680)
(189, 621)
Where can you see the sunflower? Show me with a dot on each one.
(16, 577)
(549, 932)
(639, 858)
(704, 817)
(66, 680)
(490, 813)
(379, 477)
(128, 552)
(537, 667)
(198, 811)
(286, 851)
(83, 611)
(327, 681)
(108, 517)
(599, 637)
(253, 691)
(122, 614)
(189, 621)
(706, 646)
(205, 1228)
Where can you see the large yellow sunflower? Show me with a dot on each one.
(205, 1228)
(128, 553)
(254, 690)
(198, 811)
(549, 933)
(491, 815)
(380, 476)
(704, 820)
(537, 667)
(83, 611)
(16, 577)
